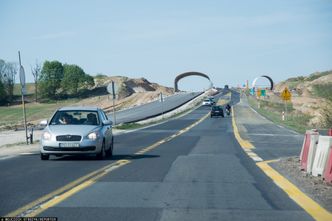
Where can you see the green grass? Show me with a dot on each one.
(14, 114)
(129, 126)
(297, 122)
(30, 89)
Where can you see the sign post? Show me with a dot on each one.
(112, 89)
(285, 96)
(258, 94)
(23, 92)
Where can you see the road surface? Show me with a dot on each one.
(190, 168)
(154, 108)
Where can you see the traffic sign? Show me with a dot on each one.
(22, 76)
(286, 94)
(258, 92)
(112, 88)
(263, 93)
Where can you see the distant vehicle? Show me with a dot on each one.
(212, 100)
(77, 130)
(207, 102)
(226, 86)
(217, 111)
(228, 109)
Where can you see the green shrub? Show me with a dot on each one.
(323, 91)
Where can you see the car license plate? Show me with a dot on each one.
(69, 145)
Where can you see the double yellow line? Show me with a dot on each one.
(50, 200)
(309, 205)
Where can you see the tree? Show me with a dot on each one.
(7, 79)
(75, 79)
(50, 79)
(36, 72)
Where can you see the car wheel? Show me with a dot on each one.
(110, 150)
(102, 153)
(44, 156)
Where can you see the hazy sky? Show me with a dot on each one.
(231, 41)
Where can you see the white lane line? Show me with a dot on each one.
(28, 153)
(257, 159)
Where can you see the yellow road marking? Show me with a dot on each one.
(309, 205)
(244, 143)
(54, 201)
(60, 190)
(43, 203)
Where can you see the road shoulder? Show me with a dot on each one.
(279, 176)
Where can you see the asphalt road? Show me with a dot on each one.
(154, 108)
(270, 140)
(198, 174)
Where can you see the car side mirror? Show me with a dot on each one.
(43, 123)
(107, 122)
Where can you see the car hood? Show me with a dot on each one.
(71, 129)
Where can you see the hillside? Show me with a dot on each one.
(310, 94)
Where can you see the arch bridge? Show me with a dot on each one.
(186, 74)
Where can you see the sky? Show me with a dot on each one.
(230, 41)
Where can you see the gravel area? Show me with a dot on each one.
(314, 187)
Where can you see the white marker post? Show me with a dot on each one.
(23, 91)
(161, 99)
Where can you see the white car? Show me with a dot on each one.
(207, 102)
(77, 130)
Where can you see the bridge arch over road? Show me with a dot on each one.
(186, 74)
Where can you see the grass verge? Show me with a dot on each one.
(273, 112)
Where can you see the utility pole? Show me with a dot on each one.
(23, 90)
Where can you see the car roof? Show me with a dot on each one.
(79, 108)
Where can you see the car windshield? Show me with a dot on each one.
(216, 108)
(75, 117)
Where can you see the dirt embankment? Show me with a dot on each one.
(130, 92)
(305, 98)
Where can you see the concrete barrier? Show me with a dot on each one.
(322, 153)
(308, 150)
(328, 168)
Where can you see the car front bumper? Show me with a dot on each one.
(85, 146)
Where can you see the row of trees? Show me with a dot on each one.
(53, 80)
(7, 80)
(57, 79)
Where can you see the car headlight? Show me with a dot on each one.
(47, 136)
(93, 136)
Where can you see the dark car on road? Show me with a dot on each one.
(217, 111)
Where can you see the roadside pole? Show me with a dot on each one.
(161, 99)
(285, 96)
(112, 89)
(286, 109)
(23, 90)
(114, 96)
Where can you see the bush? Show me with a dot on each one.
(323, 91)
(326, 113)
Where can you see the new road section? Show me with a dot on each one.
(190, 168)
